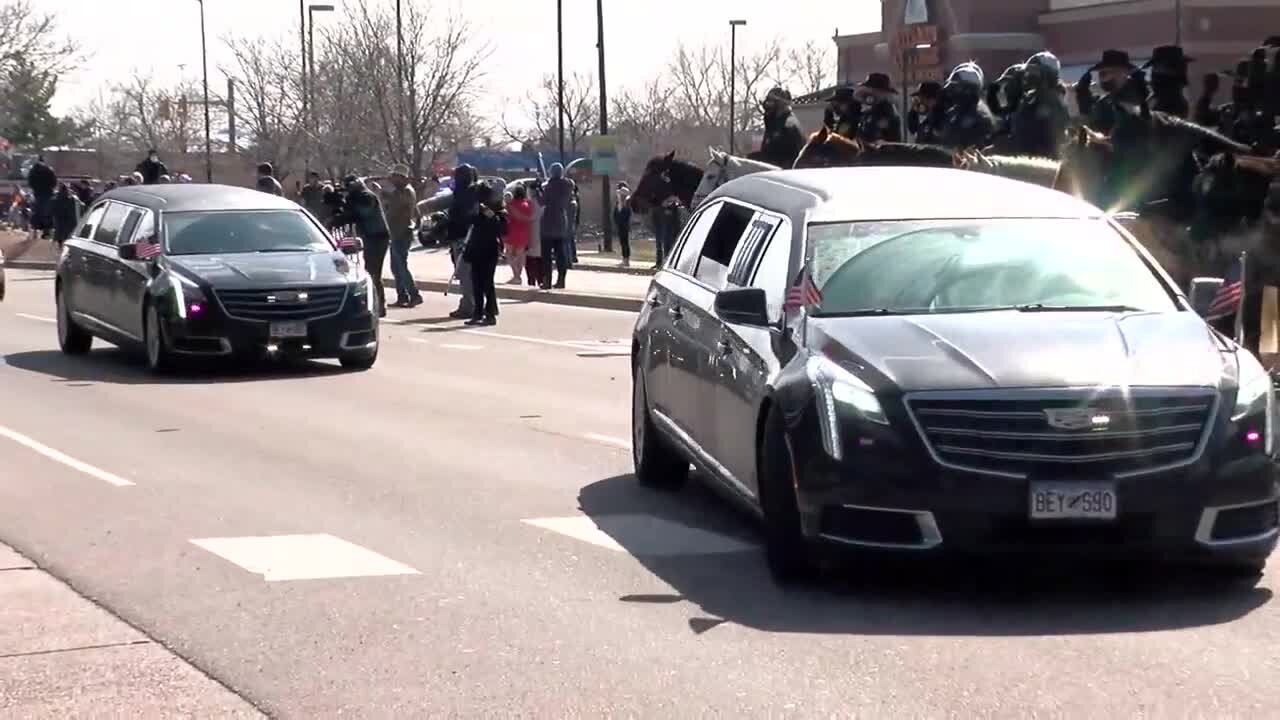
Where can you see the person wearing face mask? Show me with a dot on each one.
(969, 123)
(1039, 125)
(151, 169)
(927, 113)
(783, 138)
(844, 112)
(1168, 66)
(400, 202)
(880, 119)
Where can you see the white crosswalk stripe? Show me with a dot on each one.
(302, 557)
(641, 535)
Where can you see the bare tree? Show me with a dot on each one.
(142, 115)
(268, 104)
(26, 32)
(542, 115)
(700, 78)
(809, 67)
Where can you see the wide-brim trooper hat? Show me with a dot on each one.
(967, 74)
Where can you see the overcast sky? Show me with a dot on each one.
(158, 37)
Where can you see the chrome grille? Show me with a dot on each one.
(283, 304)
(1011, 433)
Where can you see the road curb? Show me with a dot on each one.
(30, 264)
(553, 297)
(615, 269)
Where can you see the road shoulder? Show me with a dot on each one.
(63, 656)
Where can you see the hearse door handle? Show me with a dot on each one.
(676, 312)
(654, 302)
(724, 348)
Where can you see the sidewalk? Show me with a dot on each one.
(611, 291)
(61, 656)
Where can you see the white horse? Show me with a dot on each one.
(723, 167)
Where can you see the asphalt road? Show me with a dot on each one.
(456, 533)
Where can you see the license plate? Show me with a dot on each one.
(288, 329)
(1073, 501)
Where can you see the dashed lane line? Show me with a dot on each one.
(302, 557)
(37, 318)
(61, 457)
(609, 440)
(641, 535)
(459, 346)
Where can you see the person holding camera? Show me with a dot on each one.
(483, 249)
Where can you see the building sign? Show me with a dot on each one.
(917, 53)
(604, 155)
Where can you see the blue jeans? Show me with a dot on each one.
(406, 289)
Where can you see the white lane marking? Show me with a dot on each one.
(37, 318)
(603, 353)
(641, 535)
(608, 440)
(302, 557)
(457, 346)
(522, 338)
(61, 457)
(420, 341)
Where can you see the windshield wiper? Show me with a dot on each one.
(283, 250)
(865, 312)
(1041, 307)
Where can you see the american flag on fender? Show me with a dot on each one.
(148, 249)
(343, 238)
(802, 292)
(1230, 296)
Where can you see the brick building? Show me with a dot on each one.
(999, 33)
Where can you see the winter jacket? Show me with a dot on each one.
(520, 219)
(557, 203)
(485, 244)
(269, 185)
(401, 208)
(363, 210)
(43, 180)
(151, 171)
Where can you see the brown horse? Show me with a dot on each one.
(664, 176)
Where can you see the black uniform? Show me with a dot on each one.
(151, 171)
(1040, 124)
(927, 127)
(43, 181)
(482, 251)
(881, 123)
(845, 125)
(783, 139)
(363, 209)
(969, 123)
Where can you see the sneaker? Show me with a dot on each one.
(459, 315)
(400, 304)
(415, 301)
(474, 321)
(491, 320)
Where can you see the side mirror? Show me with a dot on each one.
(1201, 293)
(743, 306)
(127, 252)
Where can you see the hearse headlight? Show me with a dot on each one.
(189, 298)
(837, 388)
(1255, 404)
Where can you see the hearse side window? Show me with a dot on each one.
(129, 226)
(109, 229)
(722, 239)
(771, 273)
(91, 222)
(695, 235)
(751, 248)
(146, 228)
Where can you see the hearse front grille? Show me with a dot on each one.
(1020, 433)
(283, 304)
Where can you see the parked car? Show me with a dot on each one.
(989, 367)
(186, 271)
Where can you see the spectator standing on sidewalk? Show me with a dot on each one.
(362, 209)
(66, 209)
(462, 211)
(520, 219)
(44, 182)
(622, 220)
(533, 260)
(667, 222)
(557, 197)
(487, 228)
(401, 204)
(267, 182)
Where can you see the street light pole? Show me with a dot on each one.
(309, 121)
(733, 74)
(306, 110)
(606, 197)
(400, 78)
(204, 61)
(560, 72)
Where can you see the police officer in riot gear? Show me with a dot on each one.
(969, 122)
(880, 119)
(927, 113)
(844, 112)
(1039, 125)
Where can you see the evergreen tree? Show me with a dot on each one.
(26, 120)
